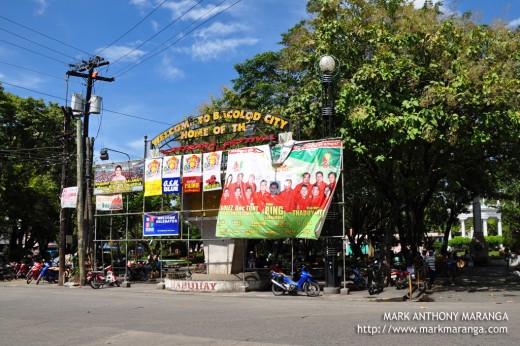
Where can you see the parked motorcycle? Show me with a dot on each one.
(358, 278)
(283, 283)
(97, 279)
(136, 272)
(22, 270)
(7, 272)
(400, 277)
(375, 278)
(34, 273)
(48, 273)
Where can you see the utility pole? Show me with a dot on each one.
(64, 212)
(84, 188)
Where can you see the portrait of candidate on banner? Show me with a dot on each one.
(118, 177)
(289, 199)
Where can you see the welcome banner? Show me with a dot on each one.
(161, 224)
(290, 199)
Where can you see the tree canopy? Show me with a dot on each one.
(30, 160)
(427, 106)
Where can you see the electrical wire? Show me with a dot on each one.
(166, 27)
(135, 26)
(32, 51)
(38, 44)
(47, 36)
(128, 69)
(104, 109)
(42, 73)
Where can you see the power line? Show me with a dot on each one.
(32, 90)
(39, 44)
(35, 52)
(135, 26)
(166, 27)
(104, 109)
(28, 149)
(47, 36)
(180, 38)
(28, 69)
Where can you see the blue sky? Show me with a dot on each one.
(180, 53)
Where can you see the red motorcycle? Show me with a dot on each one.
(22, 271)
(34, 273)
(97, 279)
(400, 277)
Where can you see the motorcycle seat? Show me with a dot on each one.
(97, 272)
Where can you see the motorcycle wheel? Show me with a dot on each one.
(277, 290)
(29, 279)
(94, 283)
(370, 288)
(38, 280)
(312, 289)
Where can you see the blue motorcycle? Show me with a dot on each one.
(283, 283)
(358, 278)
(48, 273)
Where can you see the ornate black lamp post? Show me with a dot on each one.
(328, 68)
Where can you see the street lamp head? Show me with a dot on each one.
(103, 154)
(327, 63)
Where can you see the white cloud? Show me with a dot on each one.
(113, 53)
(169, 71)
(514, 23)
(211, 50)
(43, 4)
(141, 3)
(28, 81)
(198, 12)
(219, 29)
(155, 25)
(447, 7)
(420, 3)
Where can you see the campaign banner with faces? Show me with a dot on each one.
(118, 177)
(265, 197)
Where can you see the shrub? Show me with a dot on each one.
(494, 240)
(459, 242)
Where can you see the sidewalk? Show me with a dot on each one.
(486, 284)
(477, 284)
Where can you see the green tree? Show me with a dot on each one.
(30, 161)
(427, 106)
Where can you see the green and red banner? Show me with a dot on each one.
(280, 192)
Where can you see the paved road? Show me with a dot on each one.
(144, 315)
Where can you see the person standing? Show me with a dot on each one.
(429, 260)
(507, 258)
(251, 261)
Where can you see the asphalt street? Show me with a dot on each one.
(144, 315)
